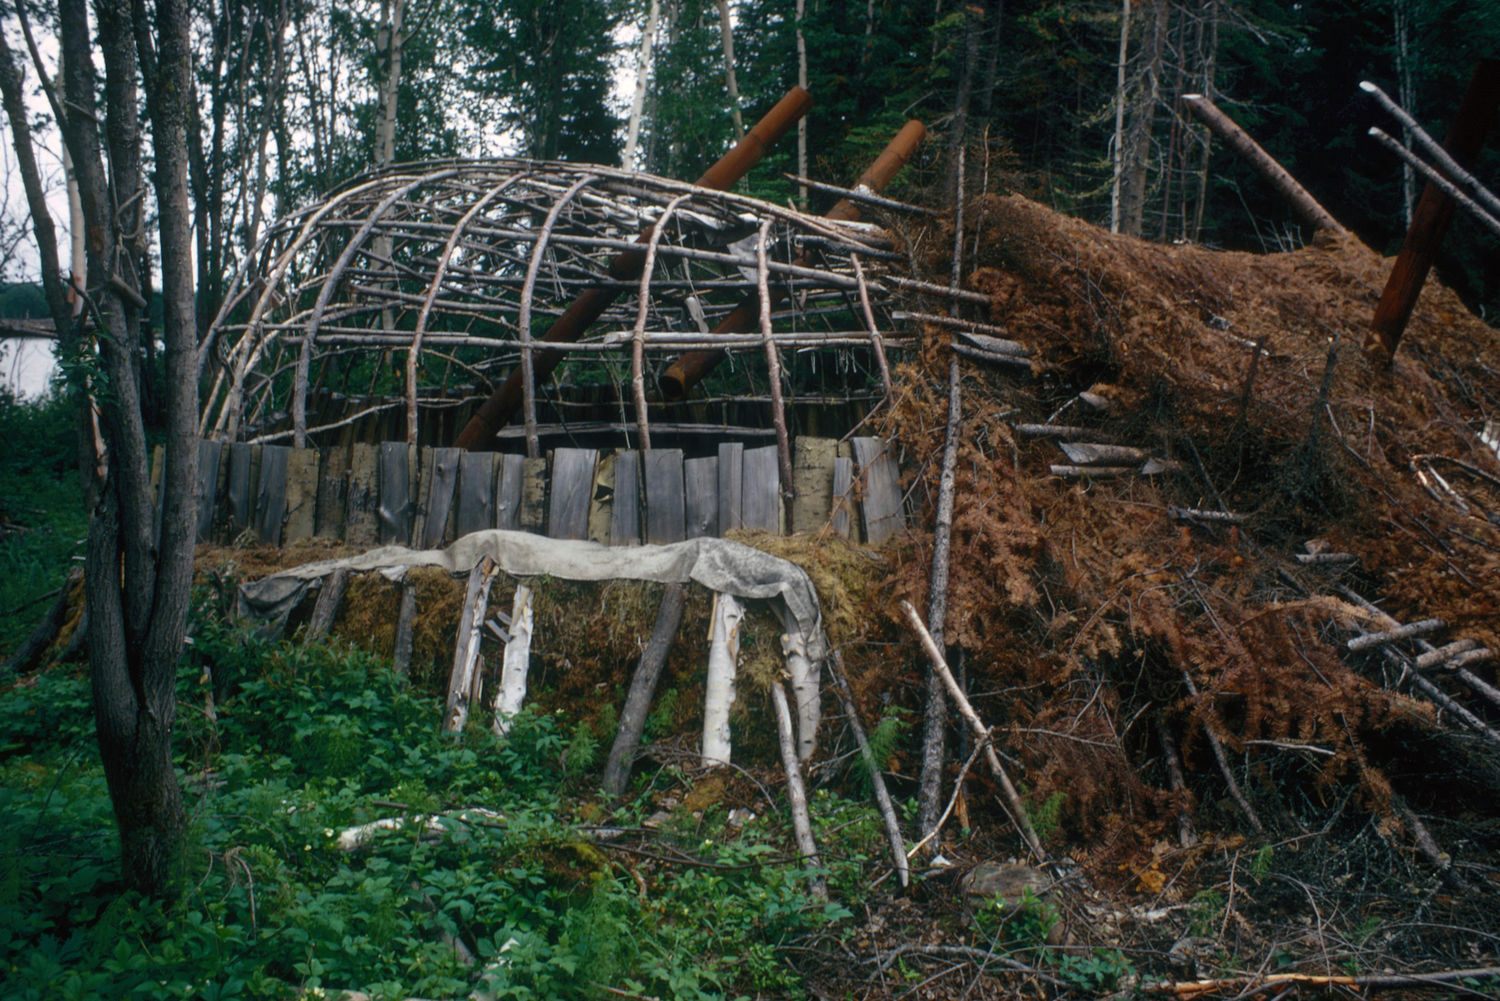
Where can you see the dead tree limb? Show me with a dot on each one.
(930, 782)
(1217, 746)
(877, 780)
(1302, 203)
(643, 689)
(1245, 986)
(31, 649)
(1012, 799)
(796, 792)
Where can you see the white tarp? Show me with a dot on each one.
(717, 564)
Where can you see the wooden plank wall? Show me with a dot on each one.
(426, 497)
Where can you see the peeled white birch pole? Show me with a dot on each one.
(512, 691)
(466, 650)
(718, 695)
(796, 792)
(806, 686)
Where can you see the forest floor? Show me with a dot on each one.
(1233, 801)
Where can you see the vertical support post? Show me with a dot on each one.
(773, 363)
(1434, 213)
(718, 693)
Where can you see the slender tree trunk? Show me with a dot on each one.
(1210, 64)
(392, 40)
(1117, 151)
(1407, 89)
(642, 76)
(958, 132)
(726, 36)
(1137, 154)
(137, 591)
(801, 122)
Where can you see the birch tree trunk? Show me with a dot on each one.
(726, 36)
(642, 76)
(801, 122)
(391, 40)
(1117, 151)
(718, 693)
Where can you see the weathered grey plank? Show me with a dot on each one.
(602, 500)
(760, 498)
(394, 511)
(333, 491)
(731, 476)
(664, 500)
(701, 497)
(209, 455)
(440, 488)
(422, 480)
(625, 516)
(270, 494)
(534, 495)
(238, 498)
(508, 492)
(812, 474)
(881, 489)
(844, 519)
(476, 492)
(572, 486)
(301, 495)
(363, 495)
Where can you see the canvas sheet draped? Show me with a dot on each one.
(717, 564)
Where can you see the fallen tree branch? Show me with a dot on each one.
(964, 952)
(1244, 986)
(877, 780)
(1012, 799)
(796, 792)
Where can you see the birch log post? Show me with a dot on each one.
(1012, 799)
(806, 683)
(718, 695)
(1302, 203)
(466, 650)
(796, 792)
(516, 662)
(642, 690)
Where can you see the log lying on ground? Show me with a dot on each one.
(718, 692)
(511, 694)
(643, 689)
(1245, 986)
(31, 649)
(352, 839)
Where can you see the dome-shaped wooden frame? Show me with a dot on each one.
(445, 272)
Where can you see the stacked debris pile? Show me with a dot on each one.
(1214, 569)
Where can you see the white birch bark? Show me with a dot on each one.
(393, 39)
(726, 36)
(1117, 154)
(517, 660)
(642, 75)
(718, 695)
(806, 685)
(801, 122)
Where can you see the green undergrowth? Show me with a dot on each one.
(314, 739)
(42, 516)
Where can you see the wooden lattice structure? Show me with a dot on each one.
(389, 309)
